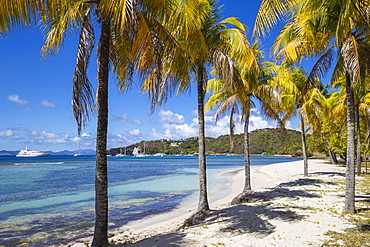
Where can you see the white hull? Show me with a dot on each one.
(137, 153)
(29, 153)
(121, 155)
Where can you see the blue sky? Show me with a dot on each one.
(35, 99)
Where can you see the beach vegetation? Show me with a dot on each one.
(267, 141)
(219, 44)
(246, 87)
(335, 32)
(129, 32)
(360, 234)
(218, 244)
(157, 40)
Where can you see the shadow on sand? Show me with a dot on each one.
(247, 217)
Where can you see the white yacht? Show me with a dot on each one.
(137, 152)
(29, 153)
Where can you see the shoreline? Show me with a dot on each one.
(270, 180)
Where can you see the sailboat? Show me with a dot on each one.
(120, 153)
(137, 152)
(79, 150)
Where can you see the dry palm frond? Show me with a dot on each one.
(82, 89)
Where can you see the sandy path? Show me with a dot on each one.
(296, 211)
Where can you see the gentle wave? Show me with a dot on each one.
(33, 164)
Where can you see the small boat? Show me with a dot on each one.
(121, 154)
(137, 152)
(79, 150)
(159, 154)
(29, 153)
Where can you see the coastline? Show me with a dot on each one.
(286, 216)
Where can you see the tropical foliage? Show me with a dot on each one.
(171, 43)
(334, 30)
(262, 141)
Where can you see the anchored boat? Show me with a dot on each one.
(29, 153)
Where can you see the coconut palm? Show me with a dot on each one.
(361, 106)
(294, 97)
(247, 86)
(18, 13)
(219, 45)
(211, 44)
(325, 115)
(321, 27)
(216, 42)
(122, 25)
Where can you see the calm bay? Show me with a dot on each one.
(49, 201)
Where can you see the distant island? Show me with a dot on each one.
(267, 141)
(64, 152)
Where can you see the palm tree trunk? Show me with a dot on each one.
(247, 162)
(203, 198)
(350, 160)
(101, 174)
(232, 128)
(358, 156)
(333, 157)
(304, 148)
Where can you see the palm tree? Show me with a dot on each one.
(122, 24)
(211, 44)
(247, 86)
(313, 27)
(16, 13)
(218, 44)
(325, 115)
(294, 97)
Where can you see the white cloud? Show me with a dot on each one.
(43, 135)
(15, 98)
(168, 117)
(47, 103)
(174, 129)
(125, 119)
(222, 126)
(135, 132)
(75, 139)
(6, 133)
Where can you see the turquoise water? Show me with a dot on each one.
(50, 200)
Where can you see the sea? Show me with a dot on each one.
(49, 201)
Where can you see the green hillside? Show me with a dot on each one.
(262, 141)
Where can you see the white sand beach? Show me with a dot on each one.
(289, 210)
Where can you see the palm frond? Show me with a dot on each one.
(269, 13)
(322, 66)
(18, 13)
(82, 90)
(351, 58)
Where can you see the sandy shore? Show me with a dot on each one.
(292, 210)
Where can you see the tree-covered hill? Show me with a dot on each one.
(262, 141)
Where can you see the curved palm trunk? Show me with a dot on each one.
(232, 128)
(203, 198)
(350, 161)
(358, 156)
(101, 174)
(304, 148)
(333, 157)
(247, 163)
